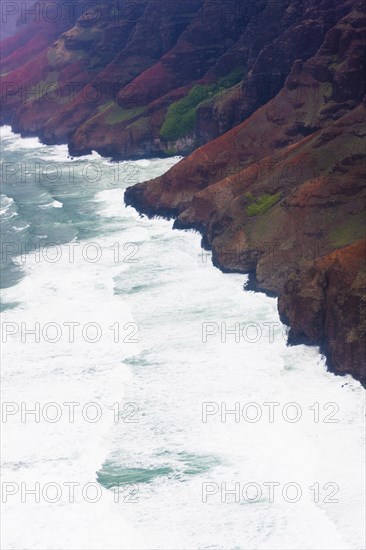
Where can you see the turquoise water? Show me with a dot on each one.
(156, 454)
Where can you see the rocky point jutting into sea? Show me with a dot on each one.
(267, 102)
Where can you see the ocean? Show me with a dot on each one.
(148, 400)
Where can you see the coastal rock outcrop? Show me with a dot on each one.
(281, 196)
(266, 99)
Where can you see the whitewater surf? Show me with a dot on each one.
(150, 387)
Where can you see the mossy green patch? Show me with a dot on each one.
(352, 230)
(181, 115)
(261, 204)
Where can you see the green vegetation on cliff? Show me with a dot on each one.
(181, 115)
(261, 204)
(352, 230)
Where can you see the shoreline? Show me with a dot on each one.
(135, 198)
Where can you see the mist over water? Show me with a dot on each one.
(162, 461)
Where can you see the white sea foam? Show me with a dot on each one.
(53, 204)
(169, 292)
(63, 372)
(6, 204)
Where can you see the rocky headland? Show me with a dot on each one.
(265, 100)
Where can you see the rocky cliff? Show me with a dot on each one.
(153, 77)
(265, 98)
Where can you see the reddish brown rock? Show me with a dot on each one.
(279, 193)
(115, 76)
(282, 196)
(326, 305)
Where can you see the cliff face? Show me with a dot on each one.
(326, 303)
(282, 196)
(153, 77)
(269, 101)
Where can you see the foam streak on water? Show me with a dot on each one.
(169, 453)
